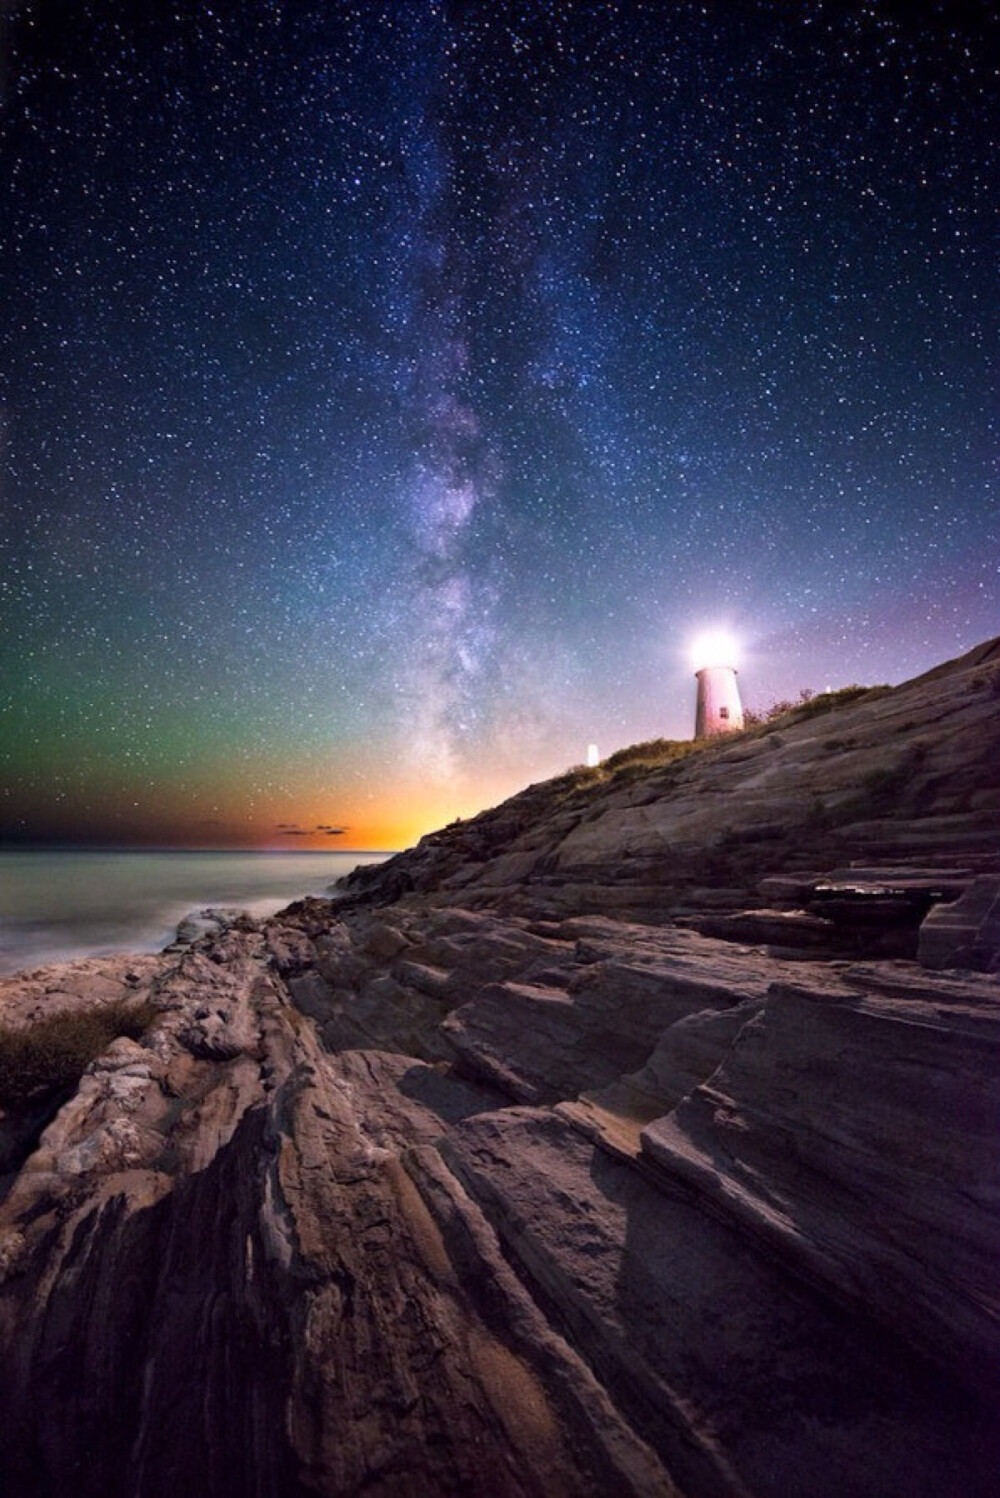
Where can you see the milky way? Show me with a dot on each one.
(391, 392)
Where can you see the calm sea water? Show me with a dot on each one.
(59, 905)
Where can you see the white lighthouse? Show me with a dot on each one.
(719, 708)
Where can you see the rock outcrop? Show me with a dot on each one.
(903, 777)
(580, 1150)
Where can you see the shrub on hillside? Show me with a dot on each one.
(51, 1055)
(575, 776)
(808, 705)
(651, 752)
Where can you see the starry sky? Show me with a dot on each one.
(390, 392)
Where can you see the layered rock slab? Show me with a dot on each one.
(857, 1136)
(279, 1289)
(965, 933)
(749, 1380)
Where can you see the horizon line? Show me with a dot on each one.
(7, 846)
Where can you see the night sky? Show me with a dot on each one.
(390, 392)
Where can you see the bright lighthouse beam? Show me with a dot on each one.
(714, 648)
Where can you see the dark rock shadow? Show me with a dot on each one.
(448, 1097)
(787, 1393)
(155, 1365)
(20, 1132)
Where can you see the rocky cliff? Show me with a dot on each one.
(636, 1137)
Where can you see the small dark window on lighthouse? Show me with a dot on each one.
(723, 712)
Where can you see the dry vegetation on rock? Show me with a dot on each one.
(50, 1055)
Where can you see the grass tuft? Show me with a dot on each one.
(809, 705)
(652, 752)
(51, 1055)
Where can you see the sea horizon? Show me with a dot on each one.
(15, 847)
(58, 903)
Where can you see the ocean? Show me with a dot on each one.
(57, 905)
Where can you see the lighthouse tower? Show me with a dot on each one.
(719, 708)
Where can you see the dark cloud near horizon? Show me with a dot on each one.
(293, 829)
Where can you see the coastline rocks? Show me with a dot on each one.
(566, 1172)
(28, 996)
(606, 1208)
(207, 922)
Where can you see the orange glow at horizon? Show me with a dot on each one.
(390, 816)
(397, 820)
